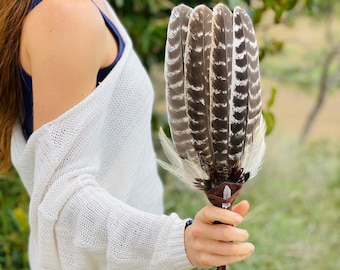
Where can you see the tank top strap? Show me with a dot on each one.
(34, 3)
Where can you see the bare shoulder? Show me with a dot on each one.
(54, 22)
(63, 45)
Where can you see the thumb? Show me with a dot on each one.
(241, 208)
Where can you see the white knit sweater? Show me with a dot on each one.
(96, 198)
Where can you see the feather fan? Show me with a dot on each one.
(214, 101)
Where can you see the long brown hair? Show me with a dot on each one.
(12, 14)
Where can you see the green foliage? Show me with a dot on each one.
(279, 8)
(321, 8)
(13, 223)
(268, 115)
(146, 21)
(271, 47)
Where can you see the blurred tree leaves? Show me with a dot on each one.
(14, 226)
(267, 114)
(146, 21)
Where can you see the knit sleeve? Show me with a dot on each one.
(93, 230)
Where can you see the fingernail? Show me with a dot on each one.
(238, 219)
(252, 248)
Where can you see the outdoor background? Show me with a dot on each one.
(295, 200)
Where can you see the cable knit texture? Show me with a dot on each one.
(96, 198)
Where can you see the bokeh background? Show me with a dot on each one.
(295, 200)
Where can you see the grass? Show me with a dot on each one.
(295, 208)
(295, 203)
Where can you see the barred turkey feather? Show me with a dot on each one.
(197, 61)
(255, 122)
(213, 100)
(220, 81)
(174, 77)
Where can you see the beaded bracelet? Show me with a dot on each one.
(188, 223)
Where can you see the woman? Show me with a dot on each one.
(86, 157)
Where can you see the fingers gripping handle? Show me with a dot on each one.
(224, 196)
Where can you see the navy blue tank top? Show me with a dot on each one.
(26, 79)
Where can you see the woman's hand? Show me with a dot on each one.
(208, 244)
